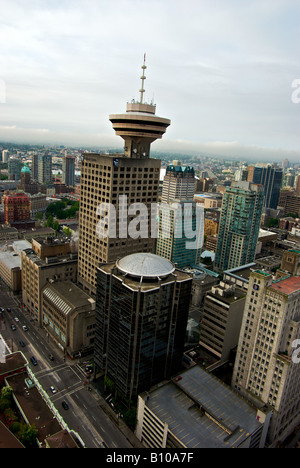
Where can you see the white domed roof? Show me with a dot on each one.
(145, 265)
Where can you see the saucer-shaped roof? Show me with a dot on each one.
(145, 265)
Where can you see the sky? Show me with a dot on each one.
(222, 71)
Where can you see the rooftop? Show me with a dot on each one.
(202, 412)
(287, 285)
(145, 265)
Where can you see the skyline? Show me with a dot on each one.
(222, 73)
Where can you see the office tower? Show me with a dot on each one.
(178, 214)
(289, 200)
(221, 320)
(111, 184)
(270, 176)
(45, 168)
(178, 183)
(141, 317)
(180, 232)
(5, 154)
(35, 166)
(14, 168)
(267, 367)
(68, 169)
(239, 225)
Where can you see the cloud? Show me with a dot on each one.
(221, 71)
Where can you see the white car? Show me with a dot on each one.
(52, 389)
(16, 319)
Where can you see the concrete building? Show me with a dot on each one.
(110, 184)
(178, 183)
(266, 371)
(68, 314)
(68, 169)
(196, 410)
(222, 319)
(141, 316)
(45, 260)
(10, 270)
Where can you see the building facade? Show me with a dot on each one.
(114, 188)
(141, 316)
(68, 314)
(46, 260)
(270, 176)
(222, 320)
(266, 370)
(179, 183)
(239, 225)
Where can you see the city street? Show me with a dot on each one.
(68, 378)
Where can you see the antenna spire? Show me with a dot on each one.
(142, 90)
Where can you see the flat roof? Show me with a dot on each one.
(203, 412)
(287, 285)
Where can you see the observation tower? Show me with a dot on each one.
(139, 126)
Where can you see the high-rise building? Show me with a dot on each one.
(5, 155)
(14, 168)
(141, 317)
(267, 370)
(45, 168)
(180, 232)
(239, 225)
(178, 183)
(178, 214)
(221, 320)
(68, 169)
(270, 176)
(114, 188)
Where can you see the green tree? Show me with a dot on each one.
(28, 436)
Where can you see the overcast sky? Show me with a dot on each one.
(221, 70)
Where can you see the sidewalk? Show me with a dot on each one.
(130, 436)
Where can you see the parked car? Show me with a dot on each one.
(25, 328)
(22, 344)
(13, 327)
(52, 389)
(51, 357)
(16, 319)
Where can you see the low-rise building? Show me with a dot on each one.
(68, 314)
(197, 410)
(45, 260)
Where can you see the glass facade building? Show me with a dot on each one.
(141, 323)
(239, 225)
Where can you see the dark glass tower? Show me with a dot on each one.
(141, 315)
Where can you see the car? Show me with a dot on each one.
(13, 327)
(33, 360)
(51, 358)
(8, 309)
(25, 328)
(16, 319)
(52, 389)
(22, 344)
(1, 309)
(65, 405)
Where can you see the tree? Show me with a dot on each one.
(28, 436)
